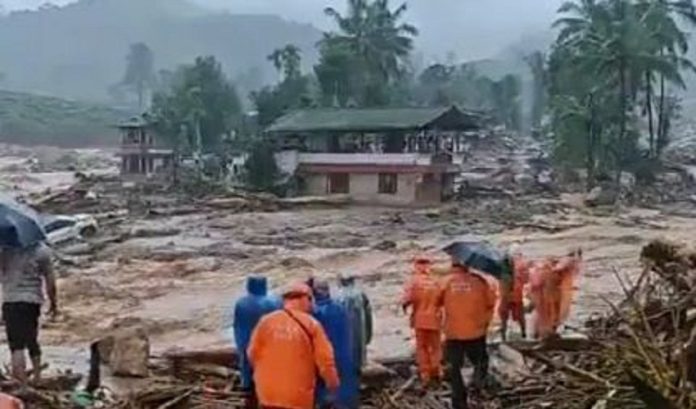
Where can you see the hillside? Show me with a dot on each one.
(79, 50)
(30, 119)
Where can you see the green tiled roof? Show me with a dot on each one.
(375, 120)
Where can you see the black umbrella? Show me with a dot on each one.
(480, 256)
(19, 225)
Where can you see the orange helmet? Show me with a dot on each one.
(297, 290)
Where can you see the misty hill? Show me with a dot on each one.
(79, 50)
(31, 119)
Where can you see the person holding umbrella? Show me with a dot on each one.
(421, 294)
(469, 302)
(25, 271)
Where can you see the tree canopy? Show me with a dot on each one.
(199, 107)
(367, 55)
(604, 66)
(140, 71)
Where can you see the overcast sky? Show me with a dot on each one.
(473, 27)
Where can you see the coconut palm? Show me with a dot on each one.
(287, 60)
(377, 39)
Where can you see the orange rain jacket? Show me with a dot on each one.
(512, 301)
(422, 293)
(286, 358)
(469, 303)
(10, 402)
(568, 268)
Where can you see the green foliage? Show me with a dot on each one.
(199, 108)
(361, 62)
(261, 171)
(32, 119)
(288, 60)
(602, 71)
(440, 85)
(293, 92)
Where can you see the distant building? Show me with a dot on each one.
(383, 156)
(142, 154)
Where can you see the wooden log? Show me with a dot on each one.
(226, 357)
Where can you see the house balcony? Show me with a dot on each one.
(420, 159)
(289, 161)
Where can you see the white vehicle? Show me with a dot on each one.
(63, 228)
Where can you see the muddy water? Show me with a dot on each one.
(184, 302)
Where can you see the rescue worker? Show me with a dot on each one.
(334, 319)
(287, 349)
(543, 294)
(421, 294)
(469, 304)
(512, 294)
(569, 269)
(10, 402)
(357, 305)
(248, 311)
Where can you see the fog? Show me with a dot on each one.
(470, 28)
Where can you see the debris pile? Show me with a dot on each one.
(642, 354)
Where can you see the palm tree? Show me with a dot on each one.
(378, 41)
(612, 40)
(537, 66)
(287, 60)
(671, 43)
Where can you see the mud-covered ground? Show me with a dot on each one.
(180, 286)
(181, 276)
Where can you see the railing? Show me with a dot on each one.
(366, 158)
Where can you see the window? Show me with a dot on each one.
(339, 183)
(388, 183)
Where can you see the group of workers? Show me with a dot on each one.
(462, 305)
(306, 349)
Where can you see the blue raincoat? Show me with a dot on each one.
(359, 310)
(248, 311)
(334, 319)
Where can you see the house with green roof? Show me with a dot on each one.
(393, 156)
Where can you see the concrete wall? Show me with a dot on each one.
(364, 188)
(315, 185)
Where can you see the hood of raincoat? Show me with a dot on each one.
(257, 286)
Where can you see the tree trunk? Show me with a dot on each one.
(649, 107)
(590, 165)
(661, 109)
(621, 151)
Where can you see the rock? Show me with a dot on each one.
(150, 232)
(127, 352)
(628, 182)
(385, 245)
(670, 178)
(524, 181)
(601, 196)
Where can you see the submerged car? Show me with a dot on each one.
(64, 228)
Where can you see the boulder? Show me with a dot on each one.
(601, 196)
(127, 352)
